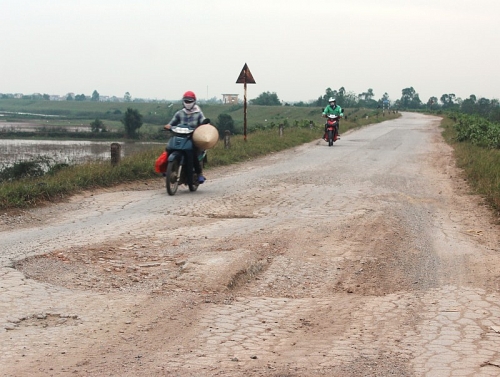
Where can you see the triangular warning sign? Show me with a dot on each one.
(245, 76)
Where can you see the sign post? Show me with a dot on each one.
(245, 78)
(385, 105)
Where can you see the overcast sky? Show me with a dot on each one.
(294, 48)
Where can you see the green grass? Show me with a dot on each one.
(481, 165)
(70, 180)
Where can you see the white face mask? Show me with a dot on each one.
(188, 105)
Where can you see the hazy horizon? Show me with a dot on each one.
(157, 49)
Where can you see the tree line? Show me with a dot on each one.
(96, 97)
(409, 100)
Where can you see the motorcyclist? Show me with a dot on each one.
(192, 116)
(333, 109)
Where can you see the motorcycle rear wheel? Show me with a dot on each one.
(172, 179)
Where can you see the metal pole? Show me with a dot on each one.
(245, 78)
(245, 110)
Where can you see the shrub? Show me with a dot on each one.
(477, 130)
(26, 169)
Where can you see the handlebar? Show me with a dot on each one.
(183, 129)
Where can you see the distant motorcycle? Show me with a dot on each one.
(332, 129)
(180, 169)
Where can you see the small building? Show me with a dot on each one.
(230, 99)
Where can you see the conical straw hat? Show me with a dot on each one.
(205, 136)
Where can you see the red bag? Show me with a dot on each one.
(161, 163)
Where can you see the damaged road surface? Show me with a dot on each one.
(368, 258)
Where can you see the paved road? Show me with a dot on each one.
(366, 258)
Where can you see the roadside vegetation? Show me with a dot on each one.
(28, 184)
(476, 143)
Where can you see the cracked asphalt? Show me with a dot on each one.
(369, 258)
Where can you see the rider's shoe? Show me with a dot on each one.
(201, 179)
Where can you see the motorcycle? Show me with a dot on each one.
(331, 129)
(180, 169)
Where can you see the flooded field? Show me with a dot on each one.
(68, 151)
(60, 151)
(34, 127)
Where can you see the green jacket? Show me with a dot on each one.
(335, 111)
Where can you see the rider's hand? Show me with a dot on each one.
(167, 126)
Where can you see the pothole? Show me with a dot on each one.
(100, 269)
(44, 320)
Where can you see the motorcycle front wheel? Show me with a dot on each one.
(330, 138)
(172, 180)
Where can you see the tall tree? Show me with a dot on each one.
(95, 95)
(407, 96)
(448, 100)
(468, 105)
(330, 93)
(366, 99)
(132, 120)
(349, 100)
(341, 96)
(432, 103)
(368, 95)
(97, 125)
(410, 98)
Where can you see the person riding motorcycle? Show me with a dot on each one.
(333, 109)
(192, 116)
